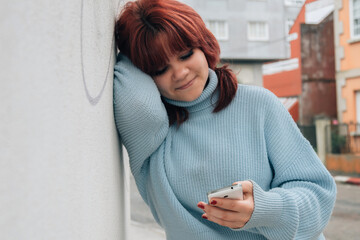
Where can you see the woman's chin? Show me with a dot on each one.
(188, 96)
(191, 98)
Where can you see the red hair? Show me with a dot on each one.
(148, 32)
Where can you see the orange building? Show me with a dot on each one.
(308, 76)
(347, 48)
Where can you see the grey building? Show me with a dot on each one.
(250, 32)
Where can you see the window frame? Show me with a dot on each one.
(351, 19)
(262, 39)
(357, 106)
(216, 30)
(357, 113)
(295, 3)
(288, 25)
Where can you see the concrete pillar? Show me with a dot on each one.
(321, 138)
(61, 170)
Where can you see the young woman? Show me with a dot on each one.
(189, 128)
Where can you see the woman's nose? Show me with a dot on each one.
(180, 71)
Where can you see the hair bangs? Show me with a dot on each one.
(150, 32)
(156, 48)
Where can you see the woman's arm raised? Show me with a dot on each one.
(140, 115)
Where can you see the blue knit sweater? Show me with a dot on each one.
(254, 138)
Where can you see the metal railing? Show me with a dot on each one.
(309, 132)
(343, 138)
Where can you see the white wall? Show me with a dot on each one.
(61, 174)
(248, 73)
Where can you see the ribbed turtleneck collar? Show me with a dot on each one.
(206, 99)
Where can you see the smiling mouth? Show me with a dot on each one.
(186, 85)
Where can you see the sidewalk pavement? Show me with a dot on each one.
(139, 231)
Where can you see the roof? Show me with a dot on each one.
(316, 12)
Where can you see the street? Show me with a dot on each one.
(345, 220)
(344, 223)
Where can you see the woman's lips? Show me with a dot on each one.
(186, 85)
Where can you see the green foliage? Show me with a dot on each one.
(338, 142)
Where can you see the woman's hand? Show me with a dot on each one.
(229, 212)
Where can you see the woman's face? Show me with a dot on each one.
(184, 77)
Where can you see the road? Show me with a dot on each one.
(344, 223)
(345, 220)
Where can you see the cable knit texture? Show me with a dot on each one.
(254, 138)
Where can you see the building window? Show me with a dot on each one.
(297, 3)
(219, 28)
(288, 25)
(258, 31)
(357, 107)
(357, 104)
(355, 18)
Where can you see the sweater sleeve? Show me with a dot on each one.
(140, 115)
(302, 193)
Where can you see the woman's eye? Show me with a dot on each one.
(161, 71)
(187, 55)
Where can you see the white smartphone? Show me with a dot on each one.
(232, 192)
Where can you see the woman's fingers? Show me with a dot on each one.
(223, 214)
(244, 206)
(231, 213)
(247, 186)
(223, 222)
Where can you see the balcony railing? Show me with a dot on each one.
(297, 3)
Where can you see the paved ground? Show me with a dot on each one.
(144, 232)
(344, 223)
(143, 225)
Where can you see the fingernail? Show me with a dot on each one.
(204, 217)
(213, 202)
(201, 206)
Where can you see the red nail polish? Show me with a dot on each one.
(201, 206)
(213, 202)
(204, 217)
